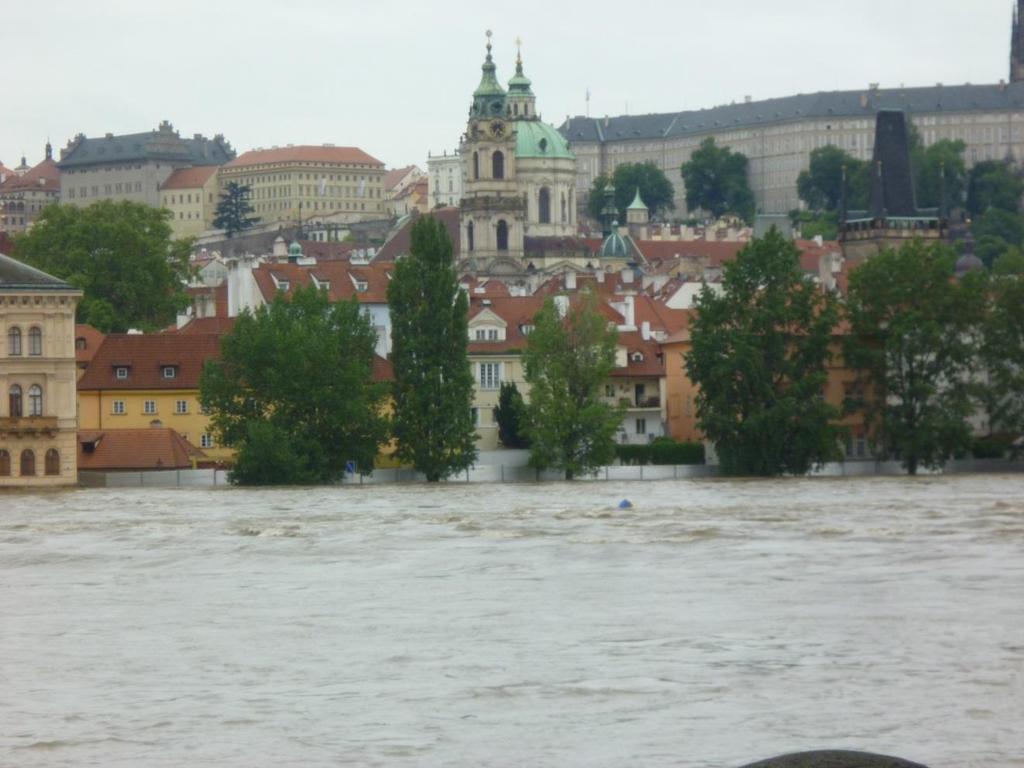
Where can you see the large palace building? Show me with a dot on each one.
(778, 135)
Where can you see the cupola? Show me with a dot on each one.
(489, 96)
(521, 103)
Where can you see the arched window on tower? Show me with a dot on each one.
(476, 165)
(14, 402)
(544, 205)
(502, 235)
(469, 235)
(498, 165)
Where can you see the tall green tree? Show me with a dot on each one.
(433, 389)
(760, 351)
(939, 163)
(511, 417)
(821, 185)
(567, 362)
(120, 254)
(1002, 355)
(993, 184)
(233, 210)
(294, 391)
(655, 189)
(716, 181)
(913, 331)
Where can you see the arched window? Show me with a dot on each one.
(52, 462)
(5, 463)
(14, 341)
(35, 341)
(14, 402)
(476, 165)
(544, 205)
(498, 165)
(35, 400)
(28, 463)
(563, 208)
(469, 235)
(502, 235)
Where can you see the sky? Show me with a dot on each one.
(395, 78)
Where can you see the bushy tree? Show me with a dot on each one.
(1002, 355)
(655, 189)
(913, 331)
(716, 181)
(433, 388)
(233, 210)
(511, 417)
(294, 393)
(568, 360)
(993, 184)
(996, 232)
(760, 351)
(821, 185)
(944, 158)
(120, 254)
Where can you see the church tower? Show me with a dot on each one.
(493, 217)
(1017, 44)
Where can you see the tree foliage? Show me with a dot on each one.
(568, 360)
(1002, 355)
(511, 417)
(716, 181)
(943, 158)
(993, 184)
(655, 189)
(433, 382)
(759, 356)
(120, 254)
(233, 209)
(821, 185)
(912, 335)
(294, 392)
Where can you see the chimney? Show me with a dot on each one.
(570, 281)
(599, 275)
(627, 276)
(630, 311)
(645, 330)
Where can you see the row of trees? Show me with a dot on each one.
(928, 352)
(295, 391)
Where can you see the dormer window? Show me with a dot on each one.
(121, 373)
(637, 357)
(170, 371)
(362, 286)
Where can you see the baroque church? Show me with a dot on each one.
(518, 211)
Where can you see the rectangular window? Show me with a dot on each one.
(181, 406)
(149, 407)
(474, 414)
(490, 375)
(206, 441)
(170, 371)
(121, 373)
(117, 408)
(641, 426)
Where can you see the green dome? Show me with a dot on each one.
(295, 249)
(489, 96)
(638, 203)
(537, 139)
(614, 246)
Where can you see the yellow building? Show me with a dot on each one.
(287, 183)
(138, 380)
(191, 195)
(37, 377)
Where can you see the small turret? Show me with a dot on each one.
(521, 103)
(489, 96)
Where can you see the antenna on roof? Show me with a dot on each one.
(588, 101)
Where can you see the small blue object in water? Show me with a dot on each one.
(625, 504)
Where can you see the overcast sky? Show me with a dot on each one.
(395, 78)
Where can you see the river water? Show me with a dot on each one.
(712, 624)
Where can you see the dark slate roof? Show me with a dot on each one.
(21, 277)
(892, 184)
(822, 105)
(157, 145)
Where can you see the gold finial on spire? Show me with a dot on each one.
(519, 50)
(489, 33)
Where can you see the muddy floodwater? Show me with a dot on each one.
(712, 624)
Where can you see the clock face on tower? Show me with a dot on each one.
(498, 129)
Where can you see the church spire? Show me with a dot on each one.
(489, 96)
(1017, 44)
(521, 101)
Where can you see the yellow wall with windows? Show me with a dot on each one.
(98, 410)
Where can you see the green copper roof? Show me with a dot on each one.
(519, 82)
(537, 139)
(614, 246)
(637, 204)
(489, 96)
(295, 249)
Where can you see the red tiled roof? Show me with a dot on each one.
(190, 178)
(395, 175)
(215, 326)
(305, 154)
(340, 274)
(651, 363)
(717, 252)
(135, 449)
(516, 311)
(660, 316)
(92, 338)
(146, 355)
(398, 245)
(45, 176)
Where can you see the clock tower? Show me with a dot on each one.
(493, 217)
